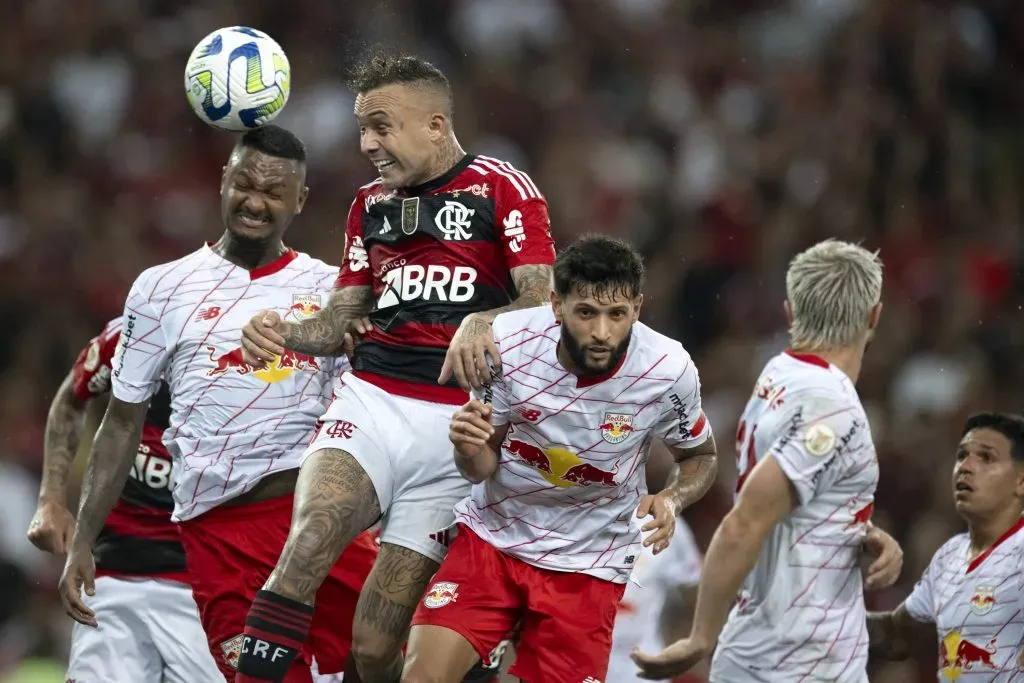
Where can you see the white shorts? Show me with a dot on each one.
(402, 445)
(148, 632)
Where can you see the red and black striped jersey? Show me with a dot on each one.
(433, 254)
(138, 537)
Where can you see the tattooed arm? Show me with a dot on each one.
(322, 334)
(52, 525)
(473, 343)
(893, 635)
(694, 475)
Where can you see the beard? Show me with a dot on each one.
(578, 354)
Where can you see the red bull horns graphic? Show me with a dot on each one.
(278, 370)
(560, 466)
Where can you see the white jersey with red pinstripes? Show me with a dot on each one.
(800, 614)
(572, 466)
(977, 607)
(230, 425)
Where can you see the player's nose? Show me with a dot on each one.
(602, 329)
(369, 143)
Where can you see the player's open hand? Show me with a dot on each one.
(471, 428)
(51, 528)
(887, 559)
(467, 355)
(263, 338)
(664, 508)
(79, 573)
(676, 659)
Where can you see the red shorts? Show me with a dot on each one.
(231, 552)
(567, 617)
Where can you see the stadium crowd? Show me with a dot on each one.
(720, 137)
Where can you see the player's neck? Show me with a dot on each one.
(448, 154)
(848, 360)
(985, 532)
(246, 254)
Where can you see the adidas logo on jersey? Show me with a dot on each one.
(442, 537)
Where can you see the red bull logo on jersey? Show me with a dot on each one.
(983, 600)
(560, 466)
(441, 594)
(957, 655)
(279, 369)
(304, 305)
(616, 427)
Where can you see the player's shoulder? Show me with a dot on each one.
(515, 326)
(657, 347)
(504, 177)
(953, 550)
(808, 378)
(315, 267)
(164, 277)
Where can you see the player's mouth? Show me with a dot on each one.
(384, 164)
(252, 220)
(963, 487)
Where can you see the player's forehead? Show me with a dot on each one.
(387, 101)
(600, 296)
(259, 166)
(986, 439)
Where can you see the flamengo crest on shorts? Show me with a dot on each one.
(441, 594)
(232, 650)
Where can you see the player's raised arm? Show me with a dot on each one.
(530, 254)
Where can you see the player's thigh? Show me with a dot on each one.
(473, 595)
(428, 484)
(330, 636)
(119, 650)
(359, 422)
(567, 631)
(231, 552)
(174, 628)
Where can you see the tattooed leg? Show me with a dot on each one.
(385, 609)
(334, 502)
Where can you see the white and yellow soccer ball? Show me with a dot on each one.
(237, 78)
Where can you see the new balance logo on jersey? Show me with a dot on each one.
(208, 313)
(154, 472)
(453, 220)
(514, 231)
(431, 283)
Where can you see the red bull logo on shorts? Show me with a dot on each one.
(616, 427)
(304, 305)
(280, 369)
(983, 600)
(560, 466)
(957, 655)
(441, 594)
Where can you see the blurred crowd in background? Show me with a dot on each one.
(719, 136)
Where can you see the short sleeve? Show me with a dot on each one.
(142, 352)
(921, 604)
(90, 375)
(355, 266)
(682, 423)
(811, 436)
(522, 220)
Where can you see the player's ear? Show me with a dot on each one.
(874, 316)
(636, 307)
(303, 194)
(789, 313)
(556, 306)
(437, 126)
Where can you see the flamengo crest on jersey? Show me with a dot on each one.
(801, 610)
(572, 465)
(977, 608)
(231, 425)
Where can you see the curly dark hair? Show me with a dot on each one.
(601, 266)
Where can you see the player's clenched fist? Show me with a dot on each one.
(471, 428)
(468, 354)
(263, 338)
(51, 528)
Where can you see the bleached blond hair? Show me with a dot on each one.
(832, 288)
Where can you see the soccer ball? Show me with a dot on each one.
(237, 78)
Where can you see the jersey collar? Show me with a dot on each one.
(266, 269)
(809, 358)
(442, 180)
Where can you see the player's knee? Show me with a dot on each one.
(419, 674)
(375, 652)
